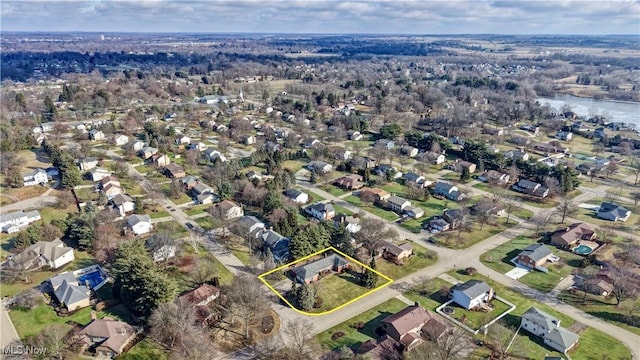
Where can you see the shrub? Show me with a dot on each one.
(318, 302)
(337, 335)
(470, 271)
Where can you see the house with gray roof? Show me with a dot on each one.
(471, 294)
(12, 222)
(448, 190)
(539, 323)
(534, 256)
(321, 211)
(398, 204)
(277, 244)
(68, 292)
(613, 212)
(531, 188)
(310, 272)
(139, 224)
(296, 196)
(44, 253)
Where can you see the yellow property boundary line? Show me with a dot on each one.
(331, 248)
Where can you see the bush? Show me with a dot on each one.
(470, 271)
(318, 302)
(337, 335)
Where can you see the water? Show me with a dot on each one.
(617, 111)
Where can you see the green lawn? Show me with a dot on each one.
(385, 214)
(337, 290)
(598, 306)
(86, 194)
(450, 238)
(543, 203)
(632, 225)
(159, 214)
(176, 230)
(522, 213)
(341, 210)
(143, 169)
(593, 344)
(334, 190)
(196, 210)
(429, 295)
(421, 258)
(182, 199)
(499, 259)
(314, 197)
(371, 319)
(49, 213)
(293, 165)
(145, 349)
(206, 223)
(414, 225)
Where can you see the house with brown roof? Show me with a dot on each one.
(382, 348)
(109, 338)
(377, 194)
(460, 164)
(350, 182)
(396, 253)
(201, 296)
(598, 286)
(174, 171)
(412, 325)
(229, 209)
(565, 237)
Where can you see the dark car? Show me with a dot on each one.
(190, 226)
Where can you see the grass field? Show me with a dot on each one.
(158, 214)
(353, 337)
(631, 225)
(313, 197)
(196, 210)
(422, 258)
(385, 214)
(341, 210)
(336, 290)
(334, 190)
(173, 228)
(601, 307)
(499, 259)
(450, 238)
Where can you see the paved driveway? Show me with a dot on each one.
(517, 272)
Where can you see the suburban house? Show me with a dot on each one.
(541, 324)
(159, 159)
(98, 174)
(350, 182)
(471, 294)
(565, 237)
(248, 139)
(120, 140)
(108, 181)
(386, 169)
(112, 190)
(598, 287)
(351, 223)
(174, 171)
(296, 196)
(213, 155)
(161, 247)
(189, 182)
(613, 212)
(139, 224)
(310, 272)
(409, 151)
(412, 178)
(320, 167)
(69, 292)
(201, 296)
(396, 253)
(206, 198)
(452, 216)
(448, 190)
(109, 338)
(397, 204)
(534, 256)
(382, 348)
(434, 158)
(354, 135)
(493, 176)
(199, 146)
(87, 163)
(517, 155)
(229, 209)
(493, 131)
(459, 165)
(311, 143)
(341, 154)
(35, 177)
(148, 151)
(438, 225)
(248, 225)
(564, 135)
(414, 212)
(182, 140)
(201, 188)
(277, 244)
(359, 162)
(411, 325)
(96, 135)
(385, 143)
(137, 145)
(531, 188)
(12, 222)
(488, 205)
(379, 195)
(44, 253)
(123, 203)
(321, 211)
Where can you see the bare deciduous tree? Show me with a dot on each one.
(246, 300)
(566, 208)
(299, 337)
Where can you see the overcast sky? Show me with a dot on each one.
(325, 16)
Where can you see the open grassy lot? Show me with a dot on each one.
(421, 258)
(86, 194)
(313, 197)
(172, 227)
(353, 337)
(82, 259)
(334, 190)
(145, 349)
(522, 213)
(428, 294)
(604, 308)
(338, 289)
(293, 165)
(158, 214)
(50, 213)
(593, 344)
(499, 259)
(450, 238)
(341, 210)
(414, 225)
(385, 214)
(196, 210)
(182, 199)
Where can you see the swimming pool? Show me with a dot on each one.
(92, 279)
(582, 249)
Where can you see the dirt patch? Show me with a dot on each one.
(34, 158)
(577, 327)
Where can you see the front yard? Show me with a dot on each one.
(337, 290)
(451, 239)
(421, 258)
(385, 214)
(334, 190)
(499, 259)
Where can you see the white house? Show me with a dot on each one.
(409, 151)
(98, 174)
(206, 198)
(12, 222)
(162, 248)
(121, 140)
(414, 212)
(139, 224)
(183, 140)
(354, 135)
(137, 145)
(96, 135)
(321, 211)
(320, 167)
(35, 177)
(213, 154)
(229, 209)
(397, 203)
(87, 163)
(296, 196)
(471, 294)
(45, 253)
(123, 203)
(200, 146)
(541, 324)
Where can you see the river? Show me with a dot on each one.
(618, 111)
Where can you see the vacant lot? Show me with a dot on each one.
(456, 240)
(385, 214)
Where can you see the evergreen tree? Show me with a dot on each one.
(138, 205)
(465, 175)
(368, 277)
(305, 297)
(341, 240)
(271, 202)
